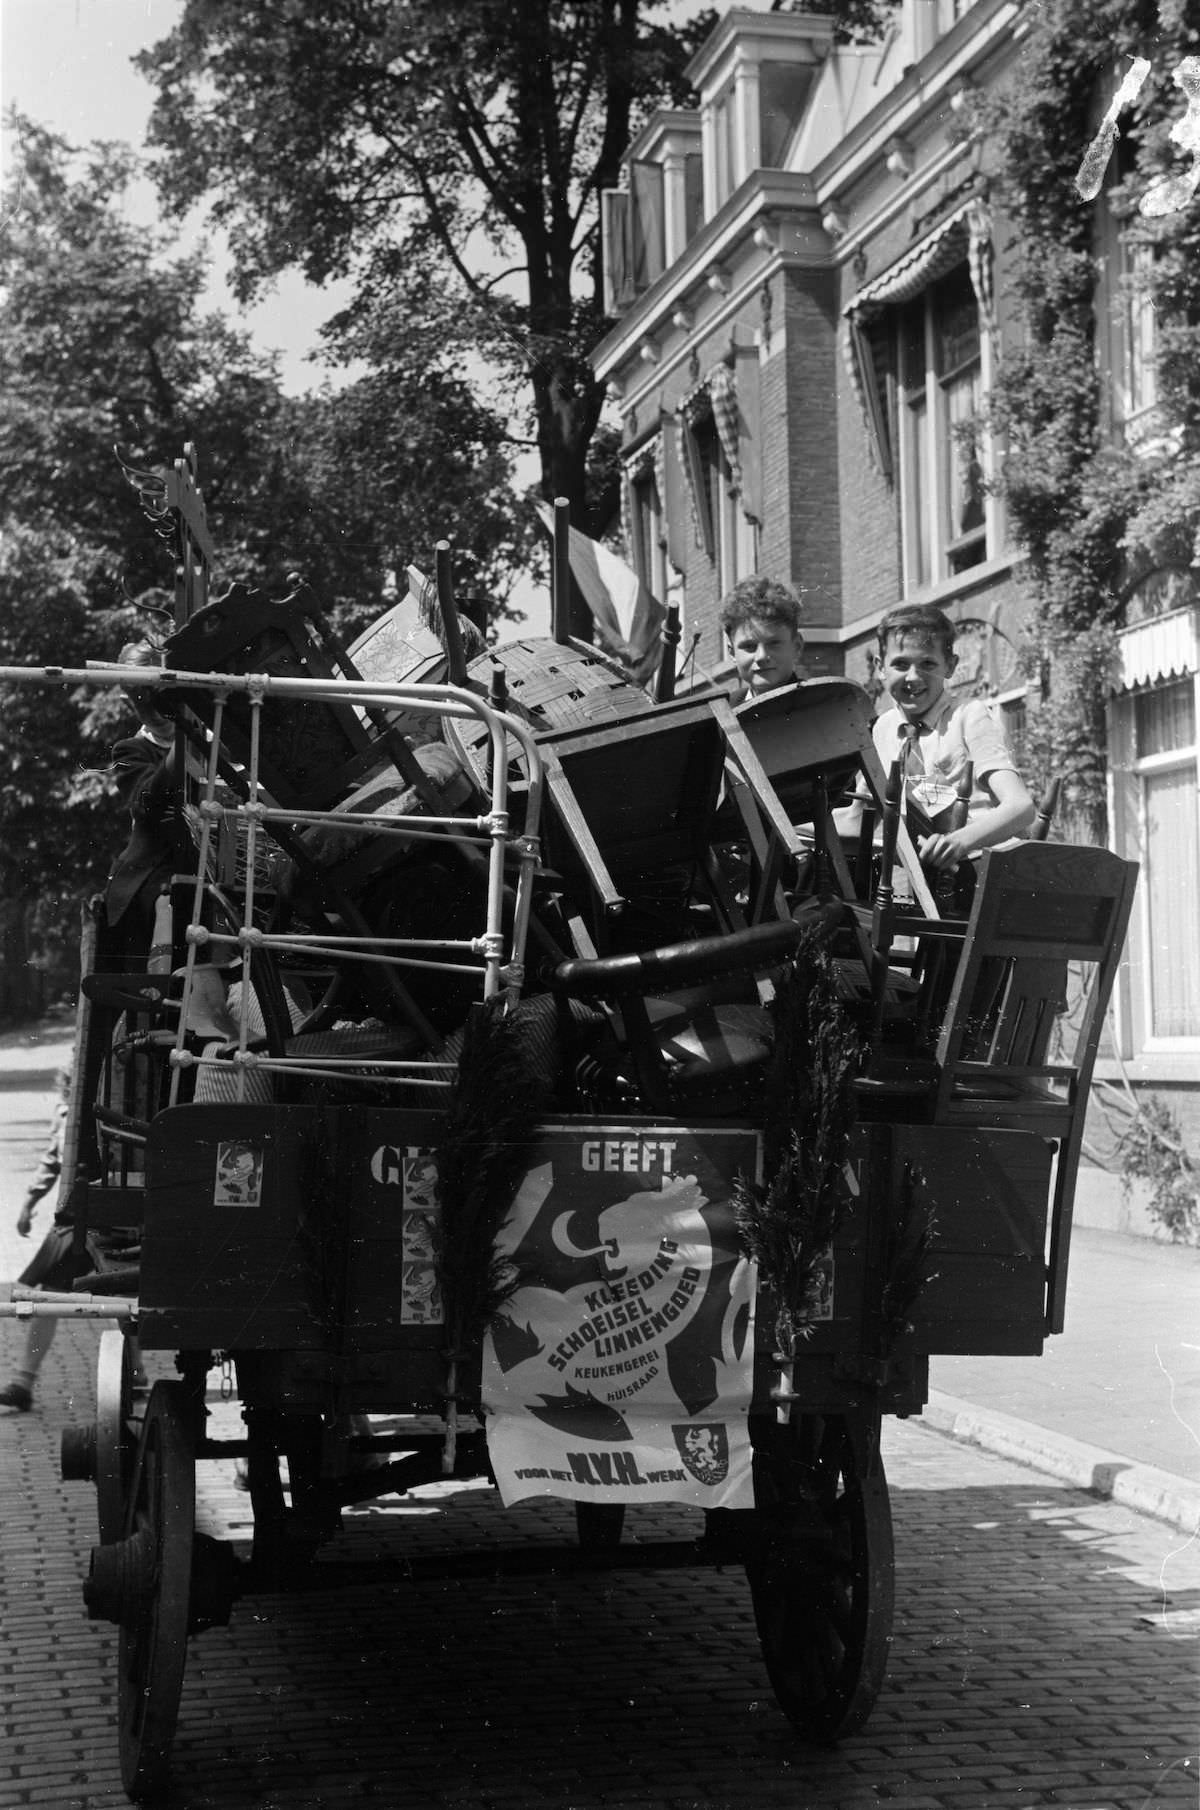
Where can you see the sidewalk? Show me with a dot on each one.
(31, 1057)
(1111, 1405)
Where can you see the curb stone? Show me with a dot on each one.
(1107, 1474)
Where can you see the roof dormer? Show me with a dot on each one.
(754, 77)
(648, 223)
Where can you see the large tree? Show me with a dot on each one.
(106, 344)
(446, 158)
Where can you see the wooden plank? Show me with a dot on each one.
(989, 1191)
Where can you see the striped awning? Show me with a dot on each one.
(966, 232)
(723, 390)
(1166, 647)
(961, 234)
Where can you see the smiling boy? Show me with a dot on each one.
(761, 620)
(934, 736)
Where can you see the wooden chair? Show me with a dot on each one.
(813, 740)
(631, 810)
(691, 1033)
(1018, 1044)
(1047, 805)
(310, 755)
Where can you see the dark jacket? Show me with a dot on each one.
(158, 841)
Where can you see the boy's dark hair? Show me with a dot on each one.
(924, 621)
(759, 599)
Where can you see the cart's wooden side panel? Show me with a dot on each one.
(290, 1228)
(942, 1250)
(230, 1242)
(982, 1197)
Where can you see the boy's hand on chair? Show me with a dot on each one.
(941, 851)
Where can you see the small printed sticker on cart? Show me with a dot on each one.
(239, 1174)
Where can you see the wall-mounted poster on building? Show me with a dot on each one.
(620, 1370)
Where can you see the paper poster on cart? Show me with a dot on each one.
(621, 1369)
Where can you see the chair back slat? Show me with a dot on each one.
(1046, 931)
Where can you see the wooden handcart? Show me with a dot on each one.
(401, 989)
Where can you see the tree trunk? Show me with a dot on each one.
(22, 995)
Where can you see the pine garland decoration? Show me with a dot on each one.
(484, 1153)
(788, 1223)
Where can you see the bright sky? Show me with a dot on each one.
(66, 63)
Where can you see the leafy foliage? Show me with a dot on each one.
(1153, 1150)
(104, 344)
(447, 159)
(1090, 513)
(52, 832)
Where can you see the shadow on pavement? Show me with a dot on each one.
(1041, 1640)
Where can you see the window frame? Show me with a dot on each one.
(931, 552)
(732, 538)
(649, 530)
(1130, 772)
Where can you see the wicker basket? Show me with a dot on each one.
(228, 849)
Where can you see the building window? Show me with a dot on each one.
(1136, 380)
(1014, 718)
(730, 540)
(1128, 323)
(724, 143)
(1157, 822)
(940, 389)
(783, 91)
(648, 534)
(693, 197)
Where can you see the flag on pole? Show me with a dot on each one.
(627, 616)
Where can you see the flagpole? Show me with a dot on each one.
(672, 631)
(560, 573)
(456, 659)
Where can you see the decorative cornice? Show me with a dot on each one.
(774, 193)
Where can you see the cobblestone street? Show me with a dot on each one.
(1045, 1654)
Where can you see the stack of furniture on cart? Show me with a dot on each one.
(634, 809)
(314, 756)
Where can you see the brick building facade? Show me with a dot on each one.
(807, 276)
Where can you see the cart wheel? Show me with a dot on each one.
(116, 1435)
(152, 1649)
(598, 1525)
(822, 1578)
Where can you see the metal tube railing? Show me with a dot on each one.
(497, 970)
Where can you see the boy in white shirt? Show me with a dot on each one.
(934, 736)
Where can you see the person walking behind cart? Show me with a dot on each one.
(143, 766)
(54, 1265)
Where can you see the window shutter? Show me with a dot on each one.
(619, 292)
(648, 222)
